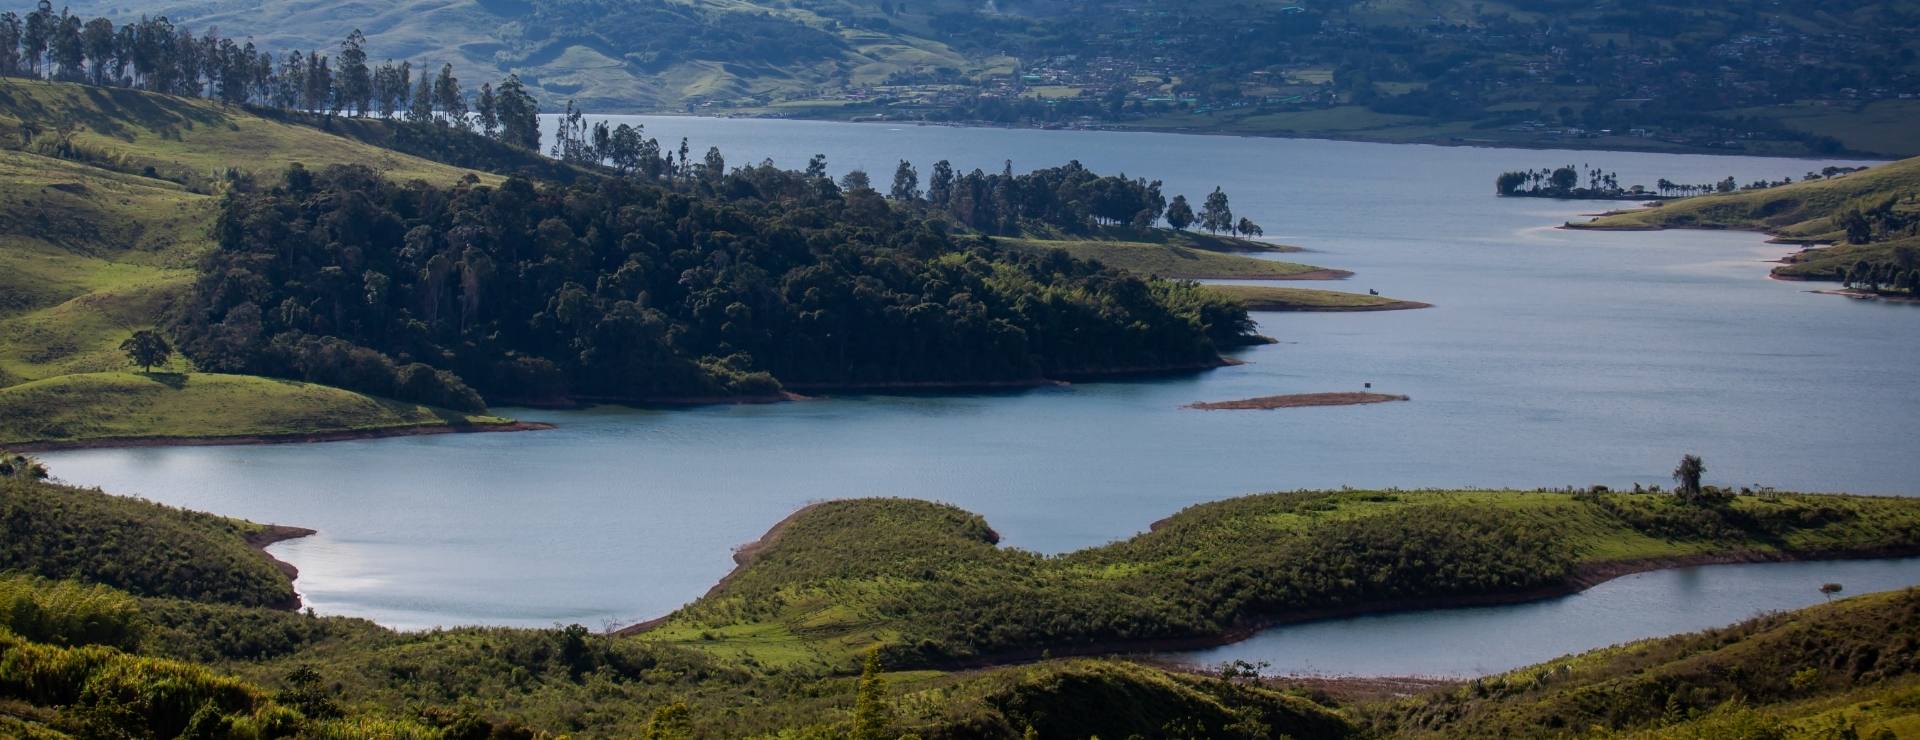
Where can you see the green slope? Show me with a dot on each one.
(1847, 669)
(130, 406)
(103, 216)
(1808, 211)
(928, 584)
(1270, 298)
(1176, 261)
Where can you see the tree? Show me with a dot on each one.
(446, 96)
(421, 109)
(519, 114)
(1215, 216)
(856, 180)
(488, 110)
(713, 166)
(1179, 214)
(871, 715)
(1687, 476)
(940, 184)
(1829, 589)
(39, 33)
(906, 182)
(356, 83)
(816, 166)
(1508, 182)
(147, 348)
(98, 40)
(1247, 227)
(10, 33)
(1564, 179)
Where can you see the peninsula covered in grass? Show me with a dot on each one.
(1864, 226)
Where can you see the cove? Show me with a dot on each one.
(1550, 358)
(1478, 641)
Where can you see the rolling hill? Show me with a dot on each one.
(108, 198)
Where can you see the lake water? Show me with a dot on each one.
(1462, 643)
(1551, 358)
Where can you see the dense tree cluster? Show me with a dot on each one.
(154, 54)
(708, 285)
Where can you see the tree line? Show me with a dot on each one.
(154, 54)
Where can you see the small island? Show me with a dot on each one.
(1297, 400)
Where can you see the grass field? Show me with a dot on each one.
(928, 584)
(187, 141)
(1271, 298)
(131, 405)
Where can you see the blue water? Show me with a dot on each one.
(1551, 358)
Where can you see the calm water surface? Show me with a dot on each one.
(1552, 358)
(1460, 643)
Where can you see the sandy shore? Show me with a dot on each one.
(1298, 400)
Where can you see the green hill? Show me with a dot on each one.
(1178, 261)
(108, 198)
(1270, 298)
(928, 584)
(143, 548)
(1813, 211)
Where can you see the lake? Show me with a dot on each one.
(1551, 358)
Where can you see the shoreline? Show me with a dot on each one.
(416, 430)
(743, 555)
(270, 535)
(1323, 273)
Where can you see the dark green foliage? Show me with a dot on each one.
(1097, 699)
(147, 348)
(143, 548)
(620, 289)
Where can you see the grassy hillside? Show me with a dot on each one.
(1808, 211)
(1190, 261)
(1847, 669)
(928, 583)
(107, 200)
(1269, 298)
(1803, 210)
(131, 405)
(187, 141)
(144, 548)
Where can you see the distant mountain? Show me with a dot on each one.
(1754, 76)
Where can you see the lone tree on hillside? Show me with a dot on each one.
(1829, 589)
(1247, 227)
(1687, 476)
(147, 348)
